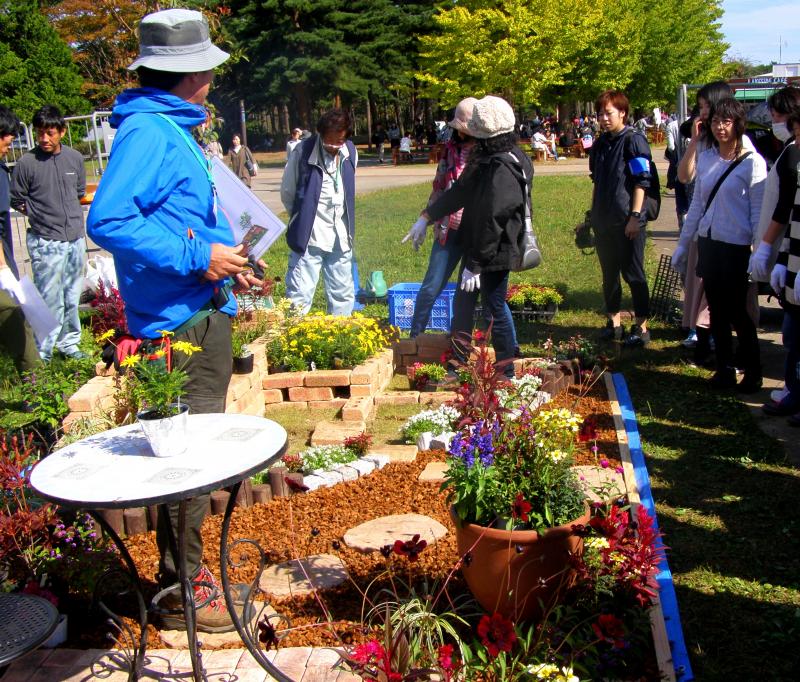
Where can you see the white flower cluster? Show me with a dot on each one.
(523, 393)
(325, 457)
(438, 421)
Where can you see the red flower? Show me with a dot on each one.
(496, 633)
(520, 508)
(609, 628)
(588, 430)
(411, 549)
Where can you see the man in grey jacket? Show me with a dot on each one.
(47, 185)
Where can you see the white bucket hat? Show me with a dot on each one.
(463, 114)
(491, 116)
(177, 40)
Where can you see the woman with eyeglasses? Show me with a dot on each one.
(724, 215)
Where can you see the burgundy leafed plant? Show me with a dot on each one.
(610, 629)
(359, 444)
(266, 633)
(109, 311)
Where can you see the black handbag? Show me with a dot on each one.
(584, 238)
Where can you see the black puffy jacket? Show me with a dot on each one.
(492, 193)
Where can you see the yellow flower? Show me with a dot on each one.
(186, 347)
(160, 353)
(105, 337)
(165, 332)
(130, 361)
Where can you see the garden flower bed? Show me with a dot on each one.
(316, 522)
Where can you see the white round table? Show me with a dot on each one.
(116, 469)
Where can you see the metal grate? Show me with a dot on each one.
(25, 622)
(665, 298)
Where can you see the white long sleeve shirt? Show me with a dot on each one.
(733, 215)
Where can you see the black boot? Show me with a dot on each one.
(702, 349)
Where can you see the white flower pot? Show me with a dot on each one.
(167, 435)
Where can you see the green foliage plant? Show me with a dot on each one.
(47, 388)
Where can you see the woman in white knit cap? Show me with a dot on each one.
(493, 191)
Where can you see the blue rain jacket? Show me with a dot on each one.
(154, 211)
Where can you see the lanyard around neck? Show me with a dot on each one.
(195, 149)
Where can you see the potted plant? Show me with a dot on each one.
(425, 376)
(249, 324)
(514, 497)
(533, 301)
(154, 386)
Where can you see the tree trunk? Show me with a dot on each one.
(285, 124)
(369, 122)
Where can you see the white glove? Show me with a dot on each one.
(759, 262)
(470, 281)
(417, 233)
(777, 279)
(679, 259)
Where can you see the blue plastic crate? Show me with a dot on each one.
(403, 297)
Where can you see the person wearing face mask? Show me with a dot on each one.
(776, 212)
(318, 191)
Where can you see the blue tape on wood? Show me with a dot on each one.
(669, 601)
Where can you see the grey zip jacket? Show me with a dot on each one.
(49, 188)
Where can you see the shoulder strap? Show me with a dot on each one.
(722, 177)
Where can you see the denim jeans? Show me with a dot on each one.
(791, 342)
(494, 286)
(337, 274)
(442, 262)
(58, 271)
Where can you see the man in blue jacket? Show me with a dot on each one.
(318, 191)
(156, 212)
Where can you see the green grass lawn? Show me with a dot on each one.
(726, 499)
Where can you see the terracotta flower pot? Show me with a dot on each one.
(517, 573)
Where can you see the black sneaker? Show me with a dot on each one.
(724, 378)
(612, 333)
(637, 338)
(750, 383)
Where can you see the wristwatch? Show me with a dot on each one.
(635, 214)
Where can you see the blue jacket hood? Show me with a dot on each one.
(155, 101)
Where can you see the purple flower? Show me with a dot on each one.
(604, 463)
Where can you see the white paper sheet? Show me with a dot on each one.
(38, 315)
(252, 222)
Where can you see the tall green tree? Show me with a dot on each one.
(513, 47)
(36, 66)
(683, 43)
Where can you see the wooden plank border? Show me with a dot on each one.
(670, 647)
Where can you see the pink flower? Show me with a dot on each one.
(364, 653)
(604, 463)
(619, 470)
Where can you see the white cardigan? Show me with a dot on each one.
(734, 214)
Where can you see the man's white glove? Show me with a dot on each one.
(679, 259)
(470, 281)
(777, 279)
(417, 233)
(759, 262)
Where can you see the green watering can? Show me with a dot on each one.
(376, 284)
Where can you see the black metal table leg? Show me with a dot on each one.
(132, 653)
(249, 629)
